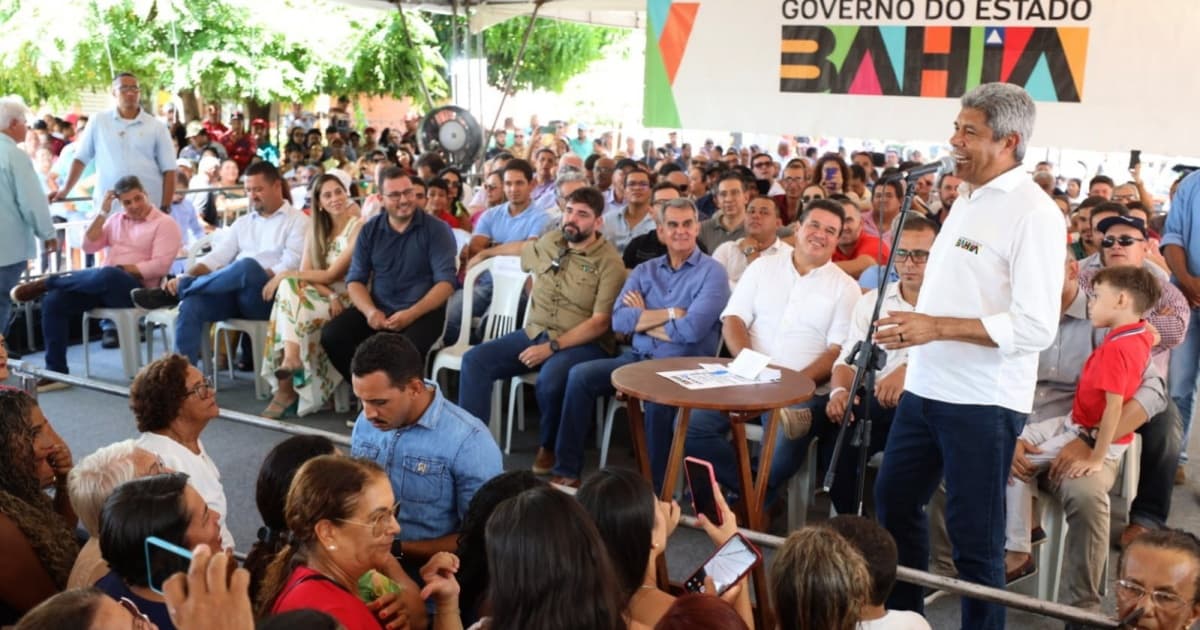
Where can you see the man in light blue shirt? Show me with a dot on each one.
(671, 307)
(126, 141)
(24, 213)
(436, 454)
(581, 144)
(635, 219)
(502, 231)
(1181, 248)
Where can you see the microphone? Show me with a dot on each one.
(945, 165)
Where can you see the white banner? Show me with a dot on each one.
(1106, 74)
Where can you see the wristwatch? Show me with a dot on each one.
(749, 250)
(554, 347)
(671, 313)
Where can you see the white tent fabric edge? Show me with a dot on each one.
(618, 13)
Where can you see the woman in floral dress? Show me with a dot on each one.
(305, 300)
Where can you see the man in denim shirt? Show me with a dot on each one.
(436, 455)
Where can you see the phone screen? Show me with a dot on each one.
(730, 563)
(1135, 158)
(164, 559)
(699, 476)
(831, 172)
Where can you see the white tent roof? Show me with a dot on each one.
(485, 13)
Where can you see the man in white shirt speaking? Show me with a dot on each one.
(988, 306)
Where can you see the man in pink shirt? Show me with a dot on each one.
(141, 244)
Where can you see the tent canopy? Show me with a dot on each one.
(486, 13)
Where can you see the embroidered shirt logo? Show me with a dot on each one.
(967, 244)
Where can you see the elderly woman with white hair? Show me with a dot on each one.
(90, 483)
(305, 300)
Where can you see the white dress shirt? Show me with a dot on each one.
(275, 241)
(861, 319)
(733, 259)
(999, 258)
(793, 318)
(201, 471)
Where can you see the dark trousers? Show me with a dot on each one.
(845, 480)
(341, 336)
(972, 445)
(69, 295)
(1162, 438)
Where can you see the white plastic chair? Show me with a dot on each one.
(257, 330)
(126, 322)
(508, 285)
(461, 239)
(164, 318)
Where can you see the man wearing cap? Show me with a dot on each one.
(1123, 242)
(581, 144)
(125, 141)
(260, 133)
(198, 141)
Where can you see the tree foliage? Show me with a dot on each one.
(260, 50)
(557, 51)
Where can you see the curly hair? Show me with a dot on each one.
(158, 392)
(21, 498)
(818, 581)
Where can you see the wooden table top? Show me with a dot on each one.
(641, 380)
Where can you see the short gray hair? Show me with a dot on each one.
(660, 210)
(567, 177)
(12, 108)
(127, 184)
(96, 476)
(1008, 109)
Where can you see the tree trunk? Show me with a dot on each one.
(191, 106)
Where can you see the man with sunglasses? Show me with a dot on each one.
(764, 171)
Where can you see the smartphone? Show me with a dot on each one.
(701, 481)
(164, 559)
(1135, 158)
(831, 172)
(729, 564)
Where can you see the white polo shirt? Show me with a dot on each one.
(793, 318)
(999, 258)
(861, 319)
(733, 259)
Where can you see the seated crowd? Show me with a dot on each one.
(355, 250)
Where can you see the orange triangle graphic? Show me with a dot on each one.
(1075, 44)
(673, 42)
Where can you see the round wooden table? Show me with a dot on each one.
(641, 382)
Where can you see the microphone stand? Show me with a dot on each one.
(867, 359)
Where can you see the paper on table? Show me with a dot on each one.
(748, 364)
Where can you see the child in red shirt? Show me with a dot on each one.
(1110, 377)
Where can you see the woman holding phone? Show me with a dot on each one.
(635, 527)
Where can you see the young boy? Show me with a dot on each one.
(878, 548)
(1110, 376)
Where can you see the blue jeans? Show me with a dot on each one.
(497, 359)
(1185, 366)
(481, 298)
(234, 291)
(972, 447)
(708, 439)
(10, 276)
(69, 295)
(585, 383)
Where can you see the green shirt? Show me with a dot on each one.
(571, 285)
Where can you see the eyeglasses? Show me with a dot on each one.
(629, 184)
(411, 192)
(378, 524)
(202, 389)
(808, 198)
(491, 186)
(141, 621)
(556, 262)
(1123, 241)
(794, 180)
(129, 89)
(1169, 602)
(761, 164)
(919, 256)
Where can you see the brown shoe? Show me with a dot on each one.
(1180, 476)
(1133, 530)
(565, 481)
(796, 422)
(28, 291)
(1015, 573)
(50, 385)
(544, 462)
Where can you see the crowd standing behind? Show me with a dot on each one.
(353, 246)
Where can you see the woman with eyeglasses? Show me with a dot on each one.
(35, 532)
(164, 506)
(341, 518)
(172, 404)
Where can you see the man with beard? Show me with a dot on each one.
(577, 276)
